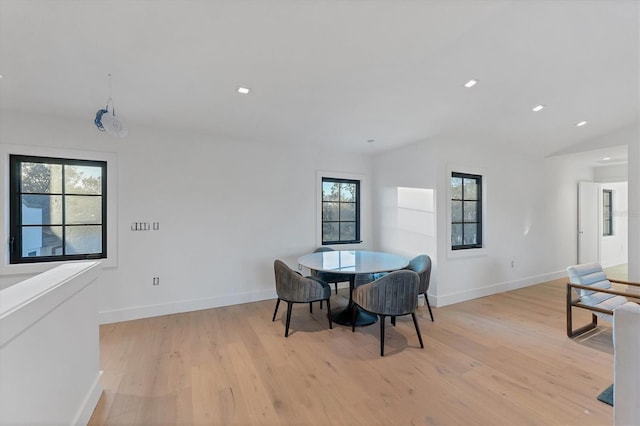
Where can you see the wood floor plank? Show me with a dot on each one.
(502, 359)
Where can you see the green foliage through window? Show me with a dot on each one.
(466, 211)
(57, 209)
(340, 211)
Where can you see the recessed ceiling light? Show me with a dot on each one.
(471, 83)
(606, 159)
(580, 124)
(538, 108)
(243, 90)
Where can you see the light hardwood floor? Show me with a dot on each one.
(498, 360)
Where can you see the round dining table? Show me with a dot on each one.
(353, 262)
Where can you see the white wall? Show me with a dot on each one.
(614, 248)
(634, 207)
(226, 210)
(613, 173)
(531, 216)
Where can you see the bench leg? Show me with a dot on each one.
(570, 331)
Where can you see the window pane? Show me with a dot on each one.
(456, 188)
(340, 208)
(83, 210)
(471, 211)
(330, 232)
(348, 211)
(41, 241)
(348, 192)
(347, 231)
(330, 211)
(456, 211)
(83, 239)
(41, 177)
(41, 209)
(82, 179)
(330, 191)
(470, 234)
(470, 189)
(456, 234)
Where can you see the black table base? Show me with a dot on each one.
(344, 316)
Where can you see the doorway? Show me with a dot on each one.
(603, 223)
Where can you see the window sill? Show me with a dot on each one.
(465, 253)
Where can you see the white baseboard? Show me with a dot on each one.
(147, 311)
(463, 296)
(89, 403)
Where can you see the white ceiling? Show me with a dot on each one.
(332, 72)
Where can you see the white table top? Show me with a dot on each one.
(353, 261)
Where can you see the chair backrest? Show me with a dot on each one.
(421, 265)
(293, 287)
(395, 293)
(592, 275)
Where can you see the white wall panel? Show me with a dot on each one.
(530, 216)
(226, 209)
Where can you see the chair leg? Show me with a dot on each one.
(276, 310)
(382, 317)
(570, 331)
(426, 299)
(321, 304)
(286, 330)
(393, 321)
(329, 313)
(310, 307)
(336, 284)
(415, 322)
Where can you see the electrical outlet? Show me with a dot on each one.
(156, 280)
(513, 263)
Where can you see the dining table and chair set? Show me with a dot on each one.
(381, 285)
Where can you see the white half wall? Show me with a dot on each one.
(50, 348)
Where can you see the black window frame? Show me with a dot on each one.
(479, 212)
(357, 212)
(15, 210)
(607, 213)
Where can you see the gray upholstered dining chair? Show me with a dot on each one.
(294, 288)
(395, 294)
(421, 265)
(329, 277)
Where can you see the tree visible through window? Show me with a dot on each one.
(340, 211)
(466, 211)
(607, 212)
(57, 209)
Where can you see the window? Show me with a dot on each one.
(466, 211)
(57, 209)
(607, 212)
(340, 211)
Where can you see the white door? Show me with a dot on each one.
(588, 222)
